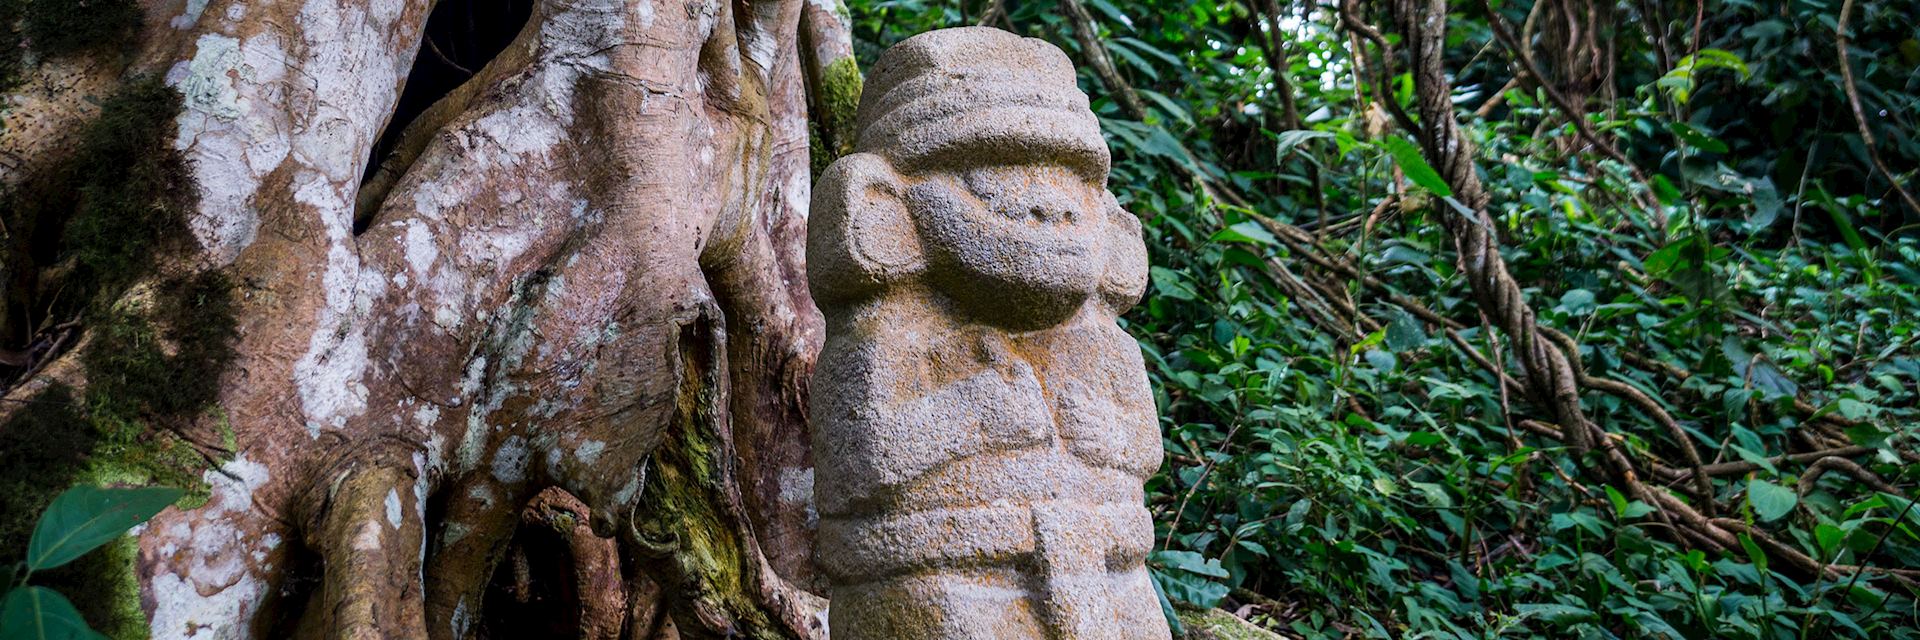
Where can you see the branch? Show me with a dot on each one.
(1574, 114)
(1351, 19)
(832, 80)
(1096, 55)
(1853, 100)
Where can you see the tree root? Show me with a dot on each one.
(370, 538)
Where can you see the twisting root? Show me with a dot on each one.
(1552, 377)
(1853, 101)
(369, 535)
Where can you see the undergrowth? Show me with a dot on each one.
(1340, 465)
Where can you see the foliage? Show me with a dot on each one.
(81, 231)
(1334, 448)
(80, 520)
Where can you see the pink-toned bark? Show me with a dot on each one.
(594, 254)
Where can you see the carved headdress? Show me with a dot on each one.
(945, 97)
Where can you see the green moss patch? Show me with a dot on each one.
(84, 230)
(684, 493)
(832, 133)
(65, 27)
(133, 189)
(162, 363)
(1214, 624)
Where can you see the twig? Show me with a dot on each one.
(1859, 117)
(1096, 55)
(1181, 510)
(1351, 19)
(1574, 114)
(431, 45)
(996, 11)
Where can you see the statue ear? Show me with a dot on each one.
(860, 238)
(1125, 279)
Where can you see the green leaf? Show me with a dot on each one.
(1619, 501)
(39, 613)
(1144, 47)
(1416, 168)
(1166, 609)
(86, 517)
(1697, 139)
(1192, 589)
(1405, 333)
(1669, 258)
(1381, 360)
(1249, 232)
(1754, 554)
(1190, 562)
(1665, 191)
(1680, 80)
(1425, 439)
(1170, 283)
(1829, 537)
(1114, 12)
(1769, 500)
(1556, 613)
(1577, 302)
(1168, 105)
(1285, 141)
(1134, 60)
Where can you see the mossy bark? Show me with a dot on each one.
(203, 292)
(153, 351)
(1214, 624)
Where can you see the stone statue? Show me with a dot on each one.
(981, 426)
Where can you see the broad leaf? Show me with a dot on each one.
(1556, 613)
(1166, 609)
(1191, 589)
(1249, 232)
(1416, 168)
(86, 517)
(1285, 141)
(1697, 139)
(39, 613)
(1769, 500)
(1190, 562)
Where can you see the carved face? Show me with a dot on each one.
(1019, 246)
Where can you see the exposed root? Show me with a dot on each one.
(469, 542)
(595, 562)
(370, 537)
(415, 137)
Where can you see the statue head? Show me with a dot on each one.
(979, 173)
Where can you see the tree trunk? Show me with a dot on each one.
(546, 360)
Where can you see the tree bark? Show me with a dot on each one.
(580, 271)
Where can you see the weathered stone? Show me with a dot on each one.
(982, 427)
